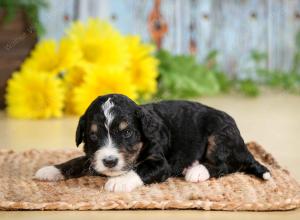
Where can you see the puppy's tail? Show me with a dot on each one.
(254, 167)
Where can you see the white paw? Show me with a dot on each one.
(267, 176)
(49, 173)
(196, 173)
(124, 183)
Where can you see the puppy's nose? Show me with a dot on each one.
(110, 161)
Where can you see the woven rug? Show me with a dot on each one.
(18, 191)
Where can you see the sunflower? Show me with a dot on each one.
(48, 57)
(100, 44)
(101, 81)
(143, 66)
(34, 95)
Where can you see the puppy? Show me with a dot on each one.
(135, 145)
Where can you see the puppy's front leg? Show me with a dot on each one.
(149, 171)
(124, 183)
(71, 169)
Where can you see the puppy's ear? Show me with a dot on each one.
(80, 130)
(152, 126)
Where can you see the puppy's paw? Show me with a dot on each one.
(267, 176)
(124, 183)
(49, 173)
(196, 173)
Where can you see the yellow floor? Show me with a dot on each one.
(271, 120)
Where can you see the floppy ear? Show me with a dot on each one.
(80, 130)
(155, 167)
(153, 127)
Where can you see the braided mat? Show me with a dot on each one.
(18, 191)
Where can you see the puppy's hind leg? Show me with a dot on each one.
(254, 167)
(226, 150)
(196, 173)
(201, 172)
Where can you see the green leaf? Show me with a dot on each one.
(249, 88)
(258, 56)
(182, 77)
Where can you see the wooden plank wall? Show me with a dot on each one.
(233, 27)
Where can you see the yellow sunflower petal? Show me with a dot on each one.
(143, 66)
(43, 58)
(48, 57)
(73, 78)
(68, 54)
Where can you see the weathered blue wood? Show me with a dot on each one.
(233, 30)
(129, 16)
(140, 16)
(284, 23)
(57, 17)
(169, 14)
(188, 14)
(233, 27)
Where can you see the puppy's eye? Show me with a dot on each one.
(93, 137)
(126, 133)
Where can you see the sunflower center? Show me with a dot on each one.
(39, 101)
(91, 52)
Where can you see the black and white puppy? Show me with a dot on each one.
(141, 144)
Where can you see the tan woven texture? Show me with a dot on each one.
(18, 190)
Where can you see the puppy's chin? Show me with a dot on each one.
(113, 172)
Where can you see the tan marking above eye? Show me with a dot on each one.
(123, 125)
(94, 128)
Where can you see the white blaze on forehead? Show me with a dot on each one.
(108, 149)
(106, 107)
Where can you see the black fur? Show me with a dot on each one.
(174, 135)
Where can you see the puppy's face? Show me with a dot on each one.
(111, 134)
